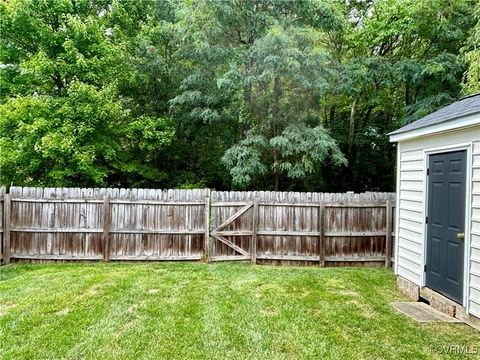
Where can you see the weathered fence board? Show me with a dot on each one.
(109, 224)
(146, 224)
(2, 222)
(306, 227)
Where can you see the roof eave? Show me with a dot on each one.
(457, 123)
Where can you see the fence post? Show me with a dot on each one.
(388, 237)
(6, 228)
(321, 238)
(106, 228)
(207, 229)
(253, 245)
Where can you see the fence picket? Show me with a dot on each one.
(147, 224)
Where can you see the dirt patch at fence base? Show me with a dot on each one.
(5, 307)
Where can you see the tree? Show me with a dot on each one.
(472, 57)
(63, 121)
(262, 57)
(399, 61)
(273, 94)
(285, 135)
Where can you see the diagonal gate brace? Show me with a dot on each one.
(234, 217)
(229, 243)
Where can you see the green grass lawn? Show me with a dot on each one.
(215, 311)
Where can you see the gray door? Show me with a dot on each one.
(445, 223)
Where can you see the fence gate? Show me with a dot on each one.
(233, 231)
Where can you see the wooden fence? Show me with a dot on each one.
(2, 206)
(330, 229)
(140, 224)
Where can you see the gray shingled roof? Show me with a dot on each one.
(465, 106)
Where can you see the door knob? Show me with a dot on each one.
(460, 235)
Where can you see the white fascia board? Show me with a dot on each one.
(461, 122)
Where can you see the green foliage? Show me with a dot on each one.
(472, 57)
(63, 120)
(293, 95)
(81, 138)
(245, 159)
(301, 149)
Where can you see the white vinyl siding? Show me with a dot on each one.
(411, 222)
(410, 225)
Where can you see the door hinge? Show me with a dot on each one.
(425, 268)
(428, 171)
(426, 219)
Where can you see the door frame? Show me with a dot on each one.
(467, 147)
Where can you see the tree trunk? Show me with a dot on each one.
(276, 172)
(367, 115)
(277, 91)
(353, 113)
(407, 94)
(331, 117)
(247, 89)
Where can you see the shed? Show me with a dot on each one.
(437, 232)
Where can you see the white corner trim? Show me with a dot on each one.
(449, 125)
(468, 227)
(397, 208)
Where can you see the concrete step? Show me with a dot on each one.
(448, 307)
(423, 313)
(439, 302)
